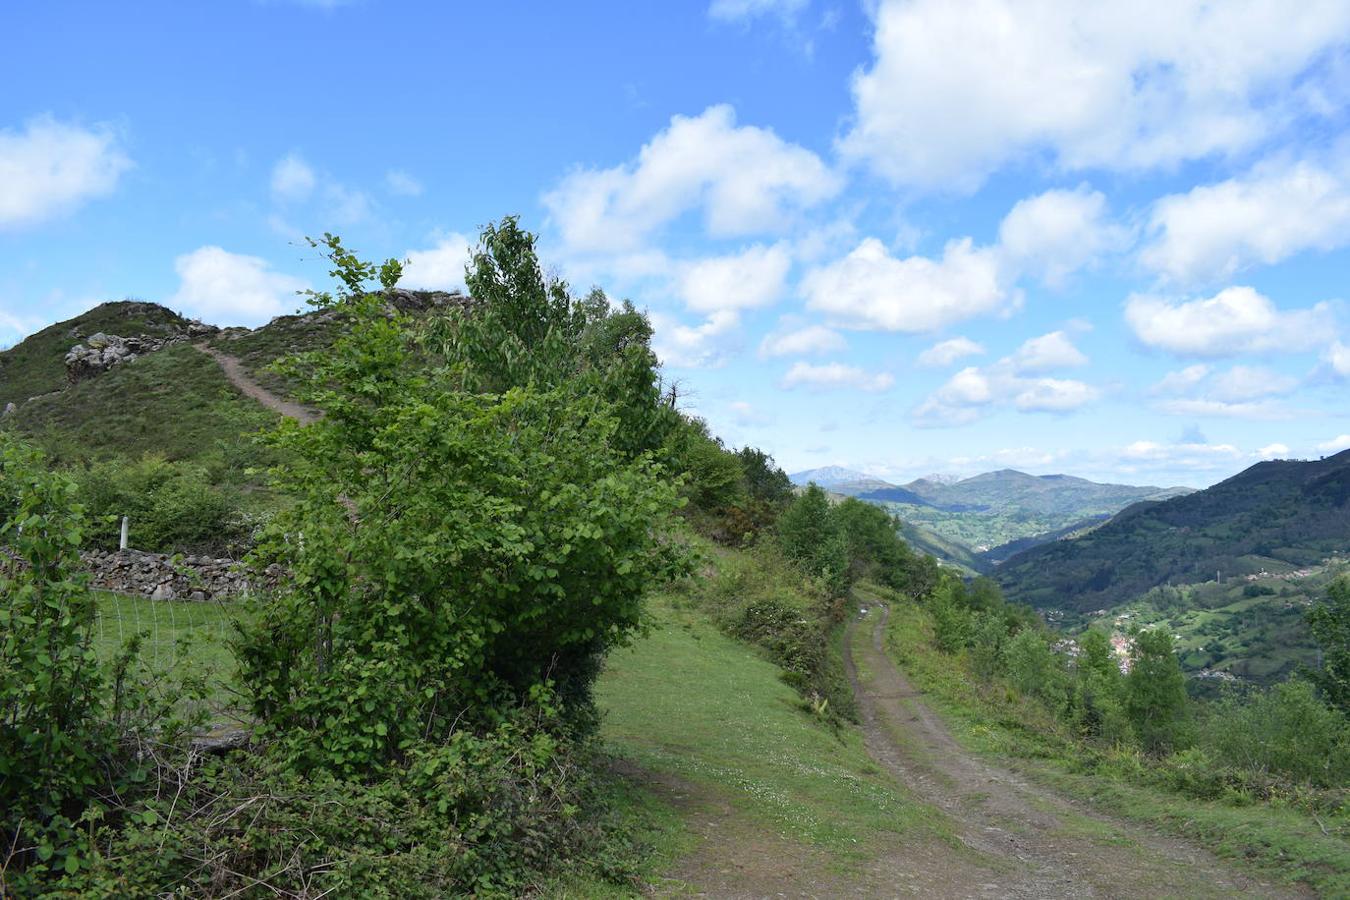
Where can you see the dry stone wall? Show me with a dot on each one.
(163, 577)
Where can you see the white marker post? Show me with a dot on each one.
(125, 521)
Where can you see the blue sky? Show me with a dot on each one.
(907, 236)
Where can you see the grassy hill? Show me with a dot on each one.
(1274, 517)
(36, 366)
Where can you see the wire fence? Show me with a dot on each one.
(174, 635)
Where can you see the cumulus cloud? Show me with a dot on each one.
(1273, 451)
(1263, 217)
(944, 353)
(1336, 444)
(956, 90)
(1015, 381)
(1240, 392)
(1236, 320)
(293, 179)
(52, 167)
(693, 346)
(231, 288)
(1338, 356)
(834, 376)
(1183, 456)
(870, 288)
(1047, 352)
(402, 184)
(812, 339)
(746, 414)
(1058, 232)
(744, 179)
(750, 279)
(439, 267)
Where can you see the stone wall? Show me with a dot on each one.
(163, 577)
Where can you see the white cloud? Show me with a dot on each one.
(439, 267)
(1181, 381)
(944, 353)
(1058, 232)
(1273, 451)
(1338, 355)
(402, 184)
(1250, 383)
(744, 179)
(293, 179)
(957, 90)
(1046, 353)
(974, 392)
(1263, 217)
(869, 288)
(745, 10)
(750, 279)
(1236, 320)
(812, 339)
(51, 167)
(233, 289)
(1184, 456)
(1336, 444)
(693, 346)
(832, 376)
(1243, 392)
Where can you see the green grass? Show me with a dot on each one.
(690, 702)
(174, 403)
(178, 639)
(1284, 842)
(37, 364)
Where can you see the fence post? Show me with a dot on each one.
(123, 544)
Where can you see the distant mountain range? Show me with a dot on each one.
(978, 522)
(1275, 516)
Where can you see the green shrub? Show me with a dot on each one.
(172, 507)
(1285, 731)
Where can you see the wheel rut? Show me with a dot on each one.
(1042, 844)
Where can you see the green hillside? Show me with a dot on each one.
(1276, 516)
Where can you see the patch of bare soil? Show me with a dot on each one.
(250, 388)
(1046, 845)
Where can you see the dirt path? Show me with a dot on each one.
(1046, 845)
(250, 388)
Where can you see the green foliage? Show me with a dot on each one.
(1155, 691)
(810, 536)
(1100, 700)
(466, 526)
(1285, 731)
(1036, 670)
(1275, 514)
(53, 732)
(1330, 624)
(713, 477)
(172, 507)
(477, 814)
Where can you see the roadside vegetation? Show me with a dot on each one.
(1261, 775)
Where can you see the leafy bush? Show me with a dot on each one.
(452, 549)
(172, 507)
(1155, 692)
(1286, 731)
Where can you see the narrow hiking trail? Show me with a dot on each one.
(247, 386)
(1042, 844)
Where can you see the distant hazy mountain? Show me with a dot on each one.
(1054, 495)
(850, 482)
(1274, 515)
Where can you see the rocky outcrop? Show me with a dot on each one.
(100, 352)
(421, 301)
(162, 577)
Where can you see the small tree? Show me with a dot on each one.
(810, 536)
(53, 733)
(1329, 622)
(1100, 690)
(1155, 691)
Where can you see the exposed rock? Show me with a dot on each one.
(158, 576)
(419, 301)
(10, 409)
(101, 352)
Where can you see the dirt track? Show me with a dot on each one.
(1045, 845)
(250, 388)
